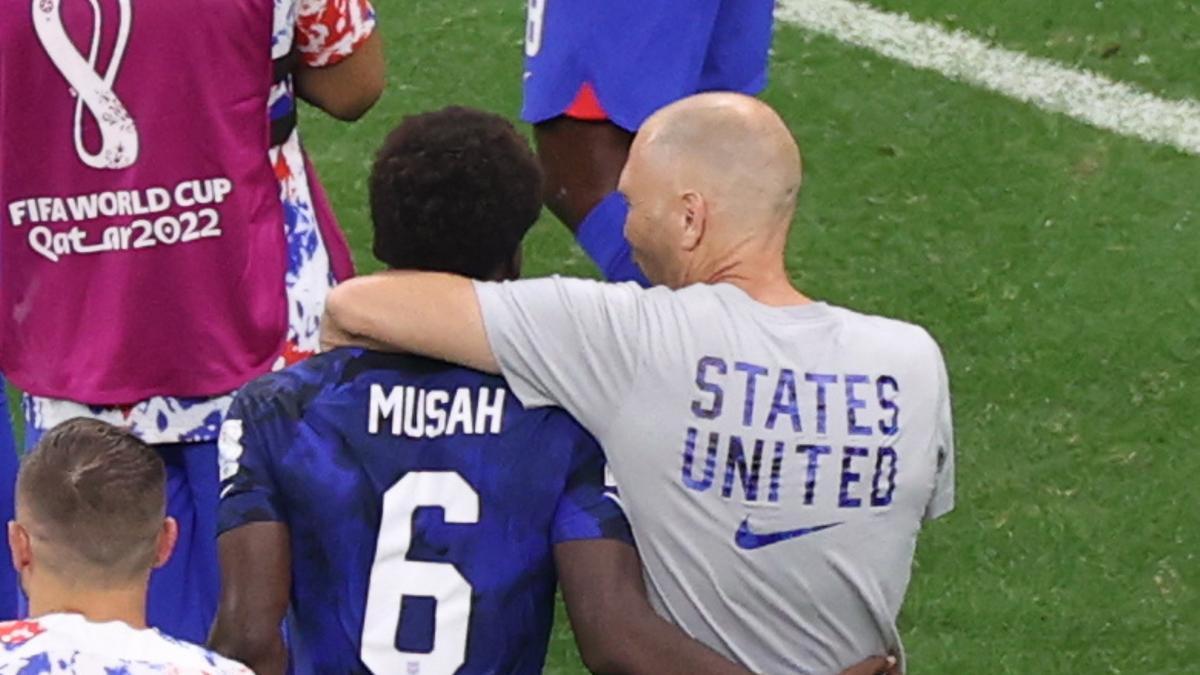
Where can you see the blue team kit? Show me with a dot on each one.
(404, 480)
(640, 55)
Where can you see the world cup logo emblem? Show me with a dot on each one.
(93, 90)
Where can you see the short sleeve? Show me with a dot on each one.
(942, 501)
(327, 31)
(571, 343)
(251, 436)
(587, 509)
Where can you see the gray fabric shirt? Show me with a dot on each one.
(775, 463)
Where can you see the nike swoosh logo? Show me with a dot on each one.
(749, 540)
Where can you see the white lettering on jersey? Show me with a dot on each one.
(489, 414)
(418, 413)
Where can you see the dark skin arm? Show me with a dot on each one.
(350, 87)
(256, 577)
(619, 632)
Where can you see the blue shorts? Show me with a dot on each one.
(640, 55)
(184, 592)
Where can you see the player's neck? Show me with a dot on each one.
(127, 605)
(762, 277)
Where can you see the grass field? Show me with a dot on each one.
(1057, 265)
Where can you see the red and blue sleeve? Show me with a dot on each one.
(328, 31)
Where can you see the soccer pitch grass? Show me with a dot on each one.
(1055, 263)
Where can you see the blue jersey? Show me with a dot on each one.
(423, 503)
(640, 55)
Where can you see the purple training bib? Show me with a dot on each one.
(142, 243)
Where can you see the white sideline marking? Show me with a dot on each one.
(1082, 95)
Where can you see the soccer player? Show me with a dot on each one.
(418, 511)
(163, 240)
(776, 456)
(596, 70)
(90, 525)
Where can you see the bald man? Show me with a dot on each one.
(776, 456)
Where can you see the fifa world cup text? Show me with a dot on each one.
(160, 217)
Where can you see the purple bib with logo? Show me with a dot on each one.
(142, 243)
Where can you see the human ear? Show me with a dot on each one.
(695, 220)
(19, 546)
(167, 536)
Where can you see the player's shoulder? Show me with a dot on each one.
(23, 636)
(187, 655)
(288, 391)
(556, 423)
(550, 428)
(37, 646)
(368, 365)
(895, 337)
(574, 287)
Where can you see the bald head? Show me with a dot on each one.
(734, 149)
(712, 182)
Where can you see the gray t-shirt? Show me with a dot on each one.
(775, 463)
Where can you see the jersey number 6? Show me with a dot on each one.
(394, 576)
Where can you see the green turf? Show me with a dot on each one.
(1153, 43)
(1055, 263)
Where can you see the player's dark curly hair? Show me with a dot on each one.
(454, 191)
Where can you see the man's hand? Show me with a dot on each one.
(878, 665)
